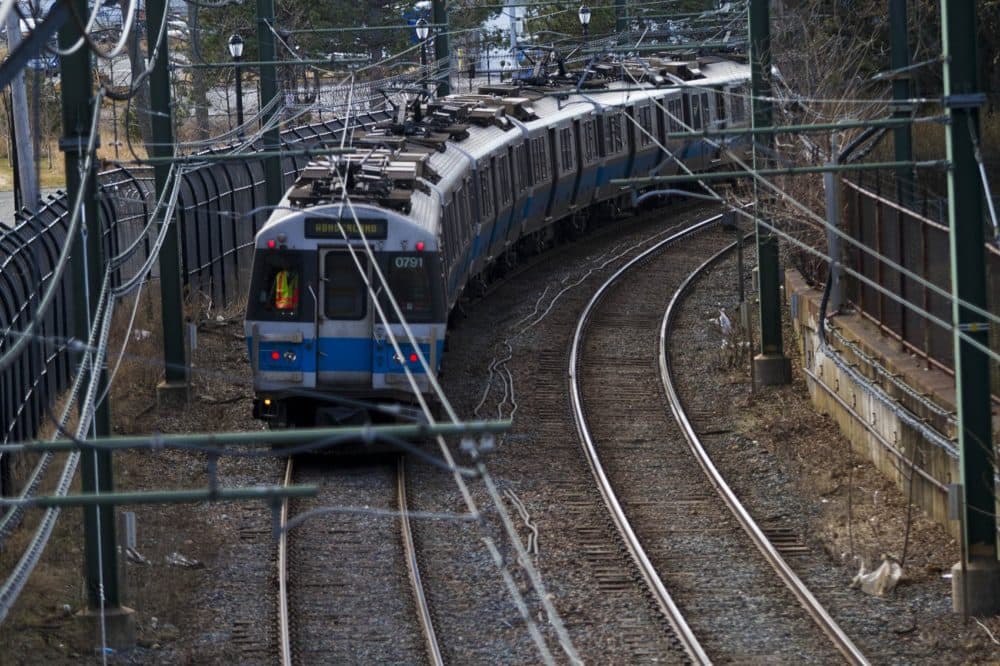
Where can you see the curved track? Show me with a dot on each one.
(805, 597)
(324, 617)
(677, 524)
(656, 587)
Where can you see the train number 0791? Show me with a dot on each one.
(409, 262)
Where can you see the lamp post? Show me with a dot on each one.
(236, 50)
(584, 16)
(423, 31)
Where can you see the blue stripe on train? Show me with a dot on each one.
(338, 355)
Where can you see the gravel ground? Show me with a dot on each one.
(730, 596)
(794, 473)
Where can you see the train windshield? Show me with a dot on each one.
(277, 287)
(410, 279)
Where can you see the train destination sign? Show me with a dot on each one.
(327, 227)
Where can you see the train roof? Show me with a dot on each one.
(411, 163)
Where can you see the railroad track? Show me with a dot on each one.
(684, 528)
(349, 586)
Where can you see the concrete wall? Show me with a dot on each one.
(877, 433)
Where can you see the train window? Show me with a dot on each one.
(409, 278)
(454, 239)
(544, 159)
(469, 210)
(539, 165)
(706, 107)
(345, 295)
(538, 154)
(645, 126)
(614, 139)
(449, 227)
(278, 287)
(566, 148)
(589, 140)
(503, 179)
(486, 192)
(738, 104)
(676, 113)
(521, 172)
(695, 115)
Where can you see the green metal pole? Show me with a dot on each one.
(770, 366)
(174, 356)
(968, 280)
(620, 22)
(902, 135)
(264, 438)
(175, 496)
(442, 53)
(274, 180)
(88, 270)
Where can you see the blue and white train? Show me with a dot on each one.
(441, 198)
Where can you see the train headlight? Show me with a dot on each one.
(289, 356)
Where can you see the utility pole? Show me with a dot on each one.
(26, 175)
(771, 366)
(100, 547)
(975, 580)
(175, 380)
(274, 179)
(441, 51)
(902, 135)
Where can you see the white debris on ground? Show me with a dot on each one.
(880, 581)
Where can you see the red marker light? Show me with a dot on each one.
(275, 356)
(271, 244)
(420, 246)
(413, 358)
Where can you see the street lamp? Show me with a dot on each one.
(584, 16)
(236, 50)
(423, 31)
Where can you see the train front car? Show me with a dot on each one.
(320, 324)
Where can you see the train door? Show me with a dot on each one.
(344, 351)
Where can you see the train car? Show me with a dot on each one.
(356, 271)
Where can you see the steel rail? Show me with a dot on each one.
(805, 597)
(284, 632)
(659, 591)
(420, 599)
